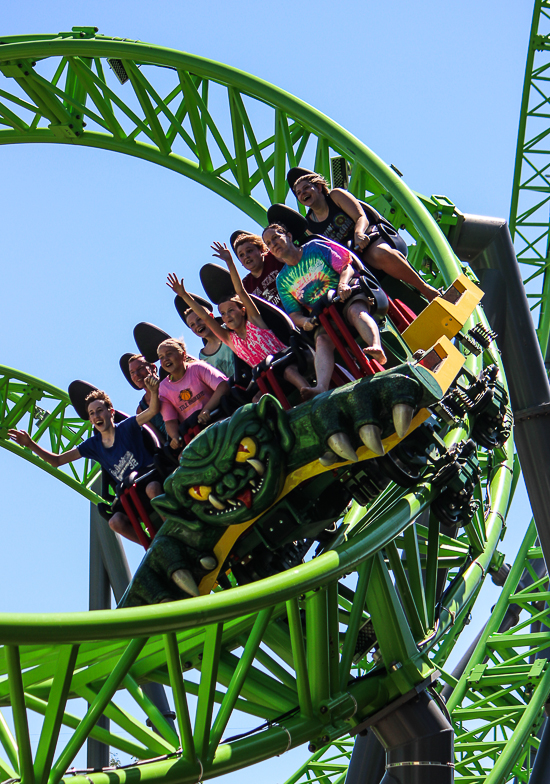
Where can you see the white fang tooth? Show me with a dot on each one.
(371, 437)
(184, 580)
(216, 503)
(256, 465)
(232, 502)
(402, 415)
(341, 445)
(328, 459)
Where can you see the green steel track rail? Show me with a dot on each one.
(529, 222)
(497, 705)
(287, 650)
(53, 424)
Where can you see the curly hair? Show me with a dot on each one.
(314, 179)
(98, 394)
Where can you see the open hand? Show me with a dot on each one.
(221, 252)
(175, 284)
(20, 437)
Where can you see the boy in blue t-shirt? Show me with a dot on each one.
(119, 449)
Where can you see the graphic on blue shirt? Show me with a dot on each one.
(127, 454)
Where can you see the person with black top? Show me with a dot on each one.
(338, 215)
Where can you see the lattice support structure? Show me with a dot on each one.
(529, 212)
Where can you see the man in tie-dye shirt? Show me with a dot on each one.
(309, 272)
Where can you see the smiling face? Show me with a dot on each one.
(250, 257)
(101, 416)
(171, 359)
(197, 326)
(140, 370)
(233, 314)
(235, 469)
(308, 193)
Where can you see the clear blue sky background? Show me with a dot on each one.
(88, 236)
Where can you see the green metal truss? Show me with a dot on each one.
(529, 222)
(287, 650)
(497, 705)
(229, 131)
(53, 423)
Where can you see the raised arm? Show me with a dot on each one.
(152, 384)
(353, 208)
(178, 288)
(222, 252)
(22, 438)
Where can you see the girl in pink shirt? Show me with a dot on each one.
(188, 388)
(247, 334)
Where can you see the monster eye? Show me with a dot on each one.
(245, 450)
(200, 492)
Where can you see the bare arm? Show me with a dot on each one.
(22, 438)
(172, 430)
(177, 287)
(302, 322)
(253, 314)
(152, 384)
(221, 390)
(353, 208)
(344, 290)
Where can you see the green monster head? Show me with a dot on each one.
(233, 470)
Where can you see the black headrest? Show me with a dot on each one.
(78, 392)
(148, 337)
(182, 306)
(216, 281)
(295, 174)
(124, 362)
(295, 223)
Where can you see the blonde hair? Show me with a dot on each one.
(177, 343)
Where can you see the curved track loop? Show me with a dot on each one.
(20, 394)
(291, 651)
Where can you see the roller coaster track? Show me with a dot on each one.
(244, 650)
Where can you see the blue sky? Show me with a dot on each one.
(89, 236)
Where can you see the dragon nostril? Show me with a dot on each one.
(230, 481)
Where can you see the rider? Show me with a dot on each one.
(262, 267)
(247, 335)
(139, 369)
(190, 392)
(214, 351)
(118, 448)
(310, 271)
(341, 217)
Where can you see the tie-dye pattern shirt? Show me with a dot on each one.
(317, 271)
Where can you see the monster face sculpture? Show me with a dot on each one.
(232, 471)
(242, 471)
